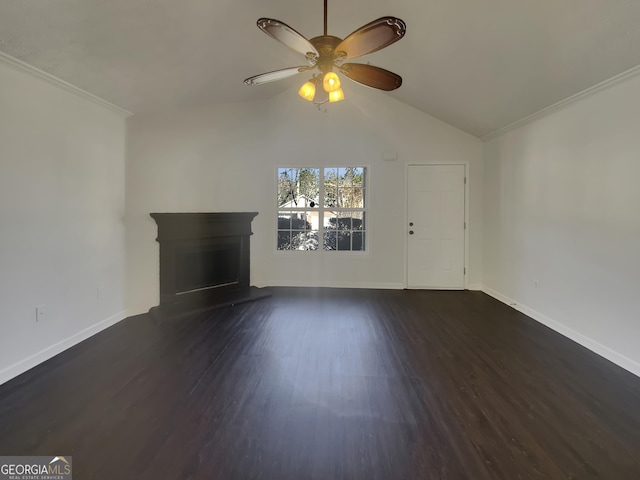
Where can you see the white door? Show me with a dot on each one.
(436, 224)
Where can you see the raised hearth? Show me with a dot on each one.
(204, 261)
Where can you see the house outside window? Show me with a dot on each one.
(321, 208)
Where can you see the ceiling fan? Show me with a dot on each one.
(326, 53)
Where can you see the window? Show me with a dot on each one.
(321, 208)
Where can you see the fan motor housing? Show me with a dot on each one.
(325, 44)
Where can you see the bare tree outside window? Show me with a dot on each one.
(321, 207)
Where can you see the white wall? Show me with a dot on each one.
(561, 208)
(223, 158)
(61, 209)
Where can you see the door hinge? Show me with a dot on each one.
(464, 271)
(465, 225)
(465, 180)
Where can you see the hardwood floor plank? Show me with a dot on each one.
(331, 383)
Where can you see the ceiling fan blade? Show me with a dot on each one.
(371, 37)
(289, 37)
(275, 75)
(371, 76)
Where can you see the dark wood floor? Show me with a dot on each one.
(331, 384)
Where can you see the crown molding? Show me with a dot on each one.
(620, 78)
(52, 80)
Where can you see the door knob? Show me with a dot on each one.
(410, 232)
(411, 224)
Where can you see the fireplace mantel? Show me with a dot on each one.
(184, 226)
(204, 261)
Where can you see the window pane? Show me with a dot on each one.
(309, 187)
(344, 221)
(344, 195)
(358, 177)
(342, 178)
(284, 221)
(345, 231)
(350, 198)
(344, 240)
(298, 187)
(284, 240)
(358, 198)
(299, 241)
(351, 177)
(330, 187)
(350, 183)
(312, 217)
(293, 220)
(311, 241)
(297, 230)
(358, 220)
(330, 220)
(286, 185)
(357, 241)
(330, 240)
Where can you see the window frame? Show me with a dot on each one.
(321, 208)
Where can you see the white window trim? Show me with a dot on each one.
(321, 208)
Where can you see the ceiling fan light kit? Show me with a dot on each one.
(308, 91)
(326, 53)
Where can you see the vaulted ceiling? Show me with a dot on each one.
(477, 64)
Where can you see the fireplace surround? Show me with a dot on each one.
(204, 261)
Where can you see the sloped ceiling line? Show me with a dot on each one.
(37, 73)
(611, 82)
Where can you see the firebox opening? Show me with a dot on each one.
(207, 266)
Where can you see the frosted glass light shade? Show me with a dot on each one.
(336, 95)
(331, 82)
(308, 91)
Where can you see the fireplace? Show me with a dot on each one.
(207, 266)
(204, 261)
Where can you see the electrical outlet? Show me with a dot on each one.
(41, 313)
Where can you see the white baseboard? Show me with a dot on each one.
(474, 286)
(28, 363)
(596, 347)
(498, 296)
(373, 285)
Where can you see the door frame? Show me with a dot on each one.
(465, 164)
